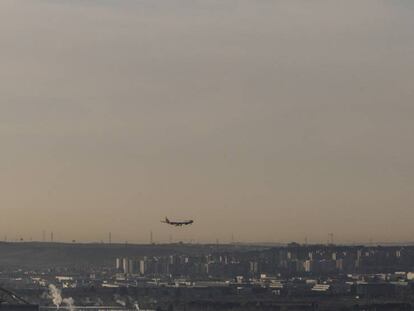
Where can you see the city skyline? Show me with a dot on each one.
(273, 121)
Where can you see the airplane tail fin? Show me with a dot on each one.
(167, 220)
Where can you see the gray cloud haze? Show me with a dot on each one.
(271, 120)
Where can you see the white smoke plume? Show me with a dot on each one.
(121, 302)
(55, 295)
(118, 299)
(70, 303)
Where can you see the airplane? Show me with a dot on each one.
(177, 223)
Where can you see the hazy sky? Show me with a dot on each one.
(268, 119)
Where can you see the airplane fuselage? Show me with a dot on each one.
(177, 223)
